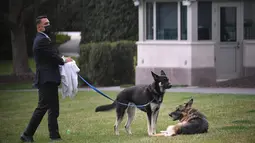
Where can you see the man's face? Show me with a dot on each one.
(44, 22)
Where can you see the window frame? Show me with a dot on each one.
(179, 4)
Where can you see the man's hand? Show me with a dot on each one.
(68, 59)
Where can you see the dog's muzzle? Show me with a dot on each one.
(168, 86)
(173, 116)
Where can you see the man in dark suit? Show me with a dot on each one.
(47, 81)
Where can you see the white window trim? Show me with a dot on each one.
(155, 21)
(179, 21)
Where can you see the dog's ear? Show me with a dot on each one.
(155, 76)
(189, 104)
(163, 73)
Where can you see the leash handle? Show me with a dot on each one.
(98, 91)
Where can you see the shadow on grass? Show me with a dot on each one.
(243, 122)
(237, 127)
(251, 111)
(129, 85)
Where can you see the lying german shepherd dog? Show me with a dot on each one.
(149, 95)
(191, 121)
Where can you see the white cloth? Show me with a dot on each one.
(69, 79)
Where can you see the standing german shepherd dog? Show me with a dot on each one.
(149, 95)
(191, 121)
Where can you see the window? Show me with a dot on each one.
(149, 21)
(228, 24)
(204, 21)
(249, 20)
(183, 22)
(166, 21)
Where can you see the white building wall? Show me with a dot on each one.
(249, 53)
(164, 54)
(203, 54)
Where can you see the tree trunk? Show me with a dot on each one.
(19, 51)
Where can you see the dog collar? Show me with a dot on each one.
(153, 90)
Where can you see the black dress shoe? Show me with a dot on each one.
(24, 138)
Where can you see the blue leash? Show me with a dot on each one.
(98, 91)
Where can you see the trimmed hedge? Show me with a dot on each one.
(108, 63)
(62, 38)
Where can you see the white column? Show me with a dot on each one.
(154, 21)
(192, 21)
(179, 20)
(141, 21)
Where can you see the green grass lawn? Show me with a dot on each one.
(231, 119)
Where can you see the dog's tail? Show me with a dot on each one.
(106, 107)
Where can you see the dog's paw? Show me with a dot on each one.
(116, 131)
(154, 132)
(163, 131)
(128, 130)
(158, 135)
(170, 131)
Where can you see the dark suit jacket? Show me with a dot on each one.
(47, 61)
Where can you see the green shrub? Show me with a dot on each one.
(100, 64)
(83, 61)
(122, 55)
(108, 64)
(62, 38)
